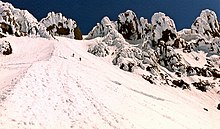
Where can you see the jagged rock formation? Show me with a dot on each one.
(163, 29)
(101, 29)
(206, 25)
(129, 26)
(204, 33)
(58, 25)
(5, 48)
(18, 22)
(218, 107)
(15, 21)
(159, 48)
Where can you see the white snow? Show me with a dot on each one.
(43, 86)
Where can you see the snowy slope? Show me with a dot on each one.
(43, 86)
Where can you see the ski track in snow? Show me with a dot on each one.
(56, 90)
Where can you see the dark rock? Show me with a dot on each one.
(129, 28)
(203, 85)
(148, 78)
(205, 109)
(6, 28)
(167, 34)
(78, 34)
(218, 107)
(5, 48)
(181, 84)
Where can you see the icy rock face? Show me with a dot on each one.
(206, 25)
(129, 25)
(15, 21)
(5, 48)
(204, 34)
(111, 39)
(100, 50)
(58, 25)
(163, 29)
(169, 58)
(210, 47)
(101, 29)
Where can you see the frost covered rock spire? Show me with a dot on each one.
(206, 25)
(18, 22)
(101, 29)
(163, 28)
(58, 25)
(15, 21)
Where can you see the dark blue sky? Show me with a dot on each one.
(88, 12)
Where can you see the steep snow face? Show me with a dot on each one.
(58, 25)
(163, 29)
(101, 29)
(15, 21)
(206, 25)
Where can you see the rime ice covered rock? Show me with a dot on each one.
(15, 21)
(129, 25)
(101, 29)
(206, 25)
(100, 50)
(5, 48)
(163, 29)
(111, 39)
(58, 25)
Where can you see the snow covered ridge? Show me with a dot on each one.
(162, 27)
(18, 22)
(162, 47)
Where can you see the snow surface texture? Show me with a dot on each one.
(49, 88)
(53, 84)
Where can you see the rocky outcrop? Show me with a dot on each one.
(5, 48)
(203, 85)
(101, 29)
(163, 29)
(58, 25)
(206, 25)
(218, 107)
(16, 22)
(129, 25)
